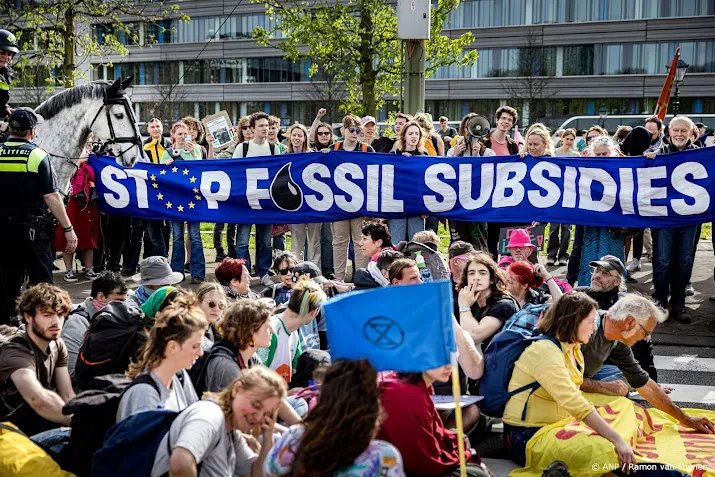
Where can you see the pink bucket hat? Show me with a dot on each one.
(520, 238)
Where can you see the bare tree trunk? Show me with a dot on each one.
(68, 66)
(367, 72)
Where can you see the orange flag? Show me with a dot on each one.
(661, 108)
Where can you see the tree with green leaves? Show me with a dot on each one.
(356, 42)
(59, 34)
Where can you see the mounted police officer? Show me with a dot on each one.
(29, 188)
(8, 50)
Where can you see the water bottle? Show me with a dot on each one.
(425, 273)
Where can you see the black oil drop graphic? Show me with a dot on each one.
(285, 193)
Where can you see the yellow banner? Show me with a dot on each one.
(656, 437)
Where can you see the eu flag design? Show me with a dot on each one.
(402, 328)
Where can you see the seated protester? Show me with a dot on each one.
(405, 272)
(523, 281)
(212, 301)
(375, 238)
(484, 301)
(414, 426)
(245, 327)
(159, 300)
(110, 286)
(631, 319)
(283, 266)
(155, 273)
(34, 381)
(173, 346)
(427, 243)
(459, 253)
(376, 273)
(559, 371)
(234, 277)
(314, 334)
(285, 347)
(348, 406)
(521, 250)
(607, 287)
(215, 432)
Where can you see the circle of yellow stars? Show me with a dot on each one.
(169, 204)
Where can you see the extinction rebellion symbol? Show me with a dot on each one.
(383, 332)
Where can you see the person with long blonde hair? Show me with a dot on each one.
(538, 142)
(219, 433)
(174, 345)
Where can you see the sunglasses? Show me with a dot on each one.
(245, 127)
(285, 271)
(590, 138)
(323, 133)
(213, 304)
(354, 130)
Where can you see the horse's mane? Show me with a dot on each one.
(71, 97)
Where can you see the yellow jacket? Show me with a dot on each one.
(559, 396)
(154, 150)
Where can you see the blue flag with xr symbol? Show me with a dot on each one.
(399, 328)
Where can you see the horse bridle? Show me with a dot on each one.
(134, 140)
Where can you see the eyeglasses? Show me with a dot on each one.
(646, 332)
(285, 271)
(213, 304)
(603, 271)
(323, 133)
(354, 130)
(590, 138)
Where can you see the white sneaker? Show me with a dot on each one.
(266, 280)
(635, 265)
(90, 274)
(71, 276)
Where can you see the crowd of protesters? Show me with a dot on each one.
(248, 376)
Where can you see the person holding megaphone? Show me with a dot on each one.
(469, 143)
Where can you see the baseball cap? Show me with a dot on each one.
(311, 269)
(701, 125)
(368, 119)
(609, 262)
(23, 119)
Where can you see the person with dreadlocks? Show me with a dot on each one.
(337, 436)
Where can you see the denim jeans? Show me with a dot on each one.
(326, 248)
(54, 439)
(609, 372)
(264, 254)
(518, 438)
(178, 254)
(673, 264)
(156, 238)
(279, 242)
(405, 229)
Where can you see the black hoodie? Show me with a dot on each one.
(363, 280)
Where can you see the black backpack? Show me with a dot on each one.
(93, 413)
(115, 335)
(246, 144)
(221, 349)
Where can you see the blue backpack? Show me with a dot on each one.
(130, 445)
(524, 320)
(499, 359)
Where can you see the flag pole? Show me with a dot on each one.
(661, 107)
(456, 392)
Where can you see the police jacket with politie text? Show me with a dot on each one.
(26, 176)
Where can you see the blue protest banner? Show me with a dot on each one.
(671, 190)
(400, 328)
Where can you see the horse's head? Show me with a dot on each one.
(115, 125)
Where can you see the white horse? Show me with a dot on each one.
(69, 116)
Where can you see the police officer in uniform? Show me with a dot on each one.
(29, 188)
(8, 50)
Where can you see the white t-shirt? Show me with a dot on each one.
(201, 430)
(254, 150)
(282, 354)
